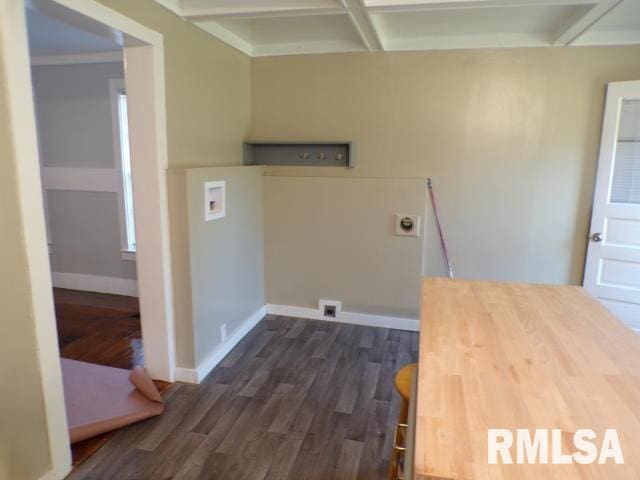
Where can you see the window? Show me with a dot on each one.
(625, 185)
(125, 164)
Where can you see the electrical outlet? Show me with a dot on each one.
(330, 311)
(407, 225)
(223, 332)
(329, 308)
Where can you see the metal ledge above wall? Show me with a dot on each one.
(315, 154)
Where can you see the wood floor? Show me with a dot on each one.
(296, 399)
(99, 328)
(103, 329)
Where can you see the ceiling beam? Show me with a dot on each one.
(304, 48)
(389, 6)
(361, 21)
(203, 16)
(204, 13)
(466, 42)
(366, 17)
(173, 5)
(616, 37)
(217, 30)
(582, 23)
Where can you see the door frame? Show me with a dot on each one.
(144, 74)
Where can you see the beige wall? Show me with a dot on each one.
(207, 88)
(333, 238)
(510, 138)
(25, 455)
(180, 269)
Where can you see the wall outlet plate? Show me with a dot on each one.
(214, 200)
(407, 225)
(329, 308)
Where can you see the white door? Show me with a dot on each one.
(612, 271)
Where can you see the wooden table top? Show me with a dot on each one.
(499, 355)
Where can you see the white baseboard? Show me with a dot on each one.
(95, 283)
(398, 323)
(58, 474)
(196, 375)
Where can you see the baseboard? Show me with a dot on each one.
(196, 375)
(57, 474)
(95, 283)
(398, 323)
(186, 375)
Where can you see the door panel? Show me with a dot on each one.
(612, 271)
(622, 232)
(619, 273)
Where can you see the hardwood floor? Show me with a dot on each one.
(103, 329)
(99, 328)
(296, 399)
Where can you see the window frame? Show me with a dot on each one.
(127, 222)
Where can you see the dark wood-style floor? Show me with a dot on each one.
(103, 329)
(99, 328)
(295, 399)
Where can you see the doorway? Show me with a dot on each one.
(144, 77)
(85, 163)
(612, 271)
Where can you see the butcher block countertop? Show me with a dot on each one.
(509, 356)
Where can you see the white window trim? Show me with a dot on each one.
(115, 86)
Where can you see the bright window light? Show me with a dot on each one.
(126, 170)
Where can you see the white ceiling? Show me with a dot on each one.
(282, 27)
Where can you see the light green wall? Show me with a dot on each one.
(227, 259)
(207, 88)
(218, 265)
(24, 445)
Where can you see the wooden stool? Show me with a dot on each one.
(403, 385)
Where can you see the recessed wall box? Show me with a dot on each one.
(214, 200)
(312, 154)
